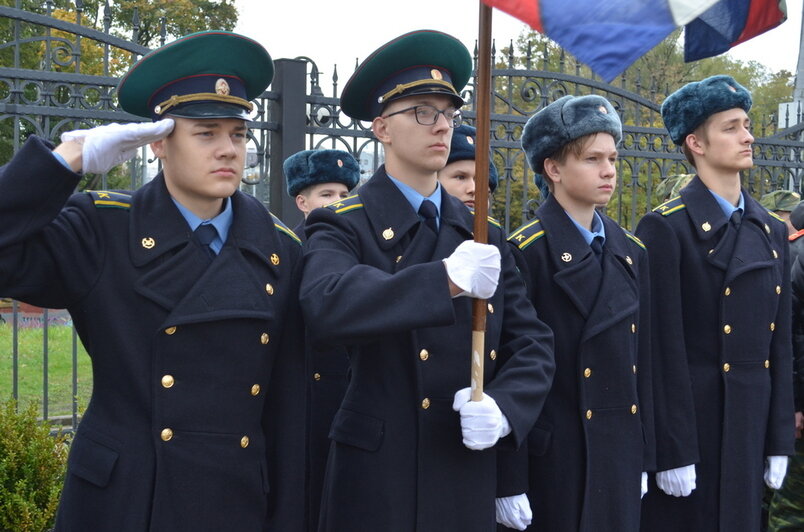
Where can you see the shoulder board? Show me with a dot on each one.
(636, 240)
(346, 204)
(493, 221)
(106, 199)
(796, 235)
(669, 207)
(527, 234)
(774, 215)
(282, 228)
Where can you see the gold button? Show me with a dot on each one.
(633, 409)
(426, 403)
(244, 442)
(772, 326)
(399, 258)
(767, 229)
(588, 414)
(493, 355)
(317, 376)
(778, 289)
(491, 308)
(728, 291)
(633, 327)
(587, 373)
(167, 381)
(706, 227)
(388, 234)
(264, 338)
(170, 330)
(727, 329)
(166, 435)
(275, 259)
(633, 368)
(255, 390)
(767, 363)
(775, 255)
(424, 354)
(269, 289)
(711, 251)
(726, 367)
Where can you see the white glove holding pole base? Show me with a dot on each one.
(474, 268)
(104, 147)
(514, 512)
(775, 470)
(643, 485)
(482, 422)
(678, 482)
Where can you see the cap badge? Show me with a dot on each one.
(732, 89)
(470, 140)
(603, 109)
(158, 110)
(222, 87)
(340, 163)
(436, 74)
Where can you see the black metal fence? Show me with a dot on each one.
(56, 76)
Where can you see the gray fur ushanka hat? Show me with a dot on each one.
(313, 167)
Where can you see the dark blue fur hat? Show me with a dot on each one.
(463, 149)
(692, 104)
(313, 167)
(561, 122)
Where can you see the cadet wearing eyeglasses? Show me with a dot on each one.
(384, 274)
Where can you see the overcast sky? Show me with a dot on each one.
(341, 31)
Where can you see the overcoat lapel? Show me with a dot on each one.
(752, 249)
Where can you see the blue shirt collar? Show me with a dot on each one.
(727, 207)
(598, 229)
(222, 222)
(415, 199)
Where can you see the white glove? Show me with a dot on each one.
(474, 268)
(678, 482)
(775, 470)
(643, 485)
(104, 147)
(482, 422)
(514, 512)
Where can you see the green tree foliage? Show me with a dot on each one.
(32, 468)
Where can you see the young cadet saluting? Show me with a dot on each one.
(588, 454)
(720, 286)
(390, 284)
(458, 177)
(194, 338)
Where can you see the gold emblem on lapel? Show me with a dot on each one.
(388, 234)
(148, 242)
(706, 227)
(274, 259)
(767, 229)
(566, 257)
(628, 259)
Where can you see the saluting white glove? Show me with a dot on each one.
(678, 482)
(775, 470)
(514, 512)
(643, 485)
(104, 147)
(482, 422)
(474, 268)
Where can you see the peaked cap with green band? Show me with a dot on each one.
(419, 62)
(209, 74)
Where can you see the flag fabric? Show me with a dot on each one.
(609, 36)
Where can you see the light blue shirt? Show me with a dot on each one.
(727, 208)
(597, 229)
(415, 199)
(222, 222)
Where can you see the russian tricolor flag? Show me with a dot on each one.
(609, 35)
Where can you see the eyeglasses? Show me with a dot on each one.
(427, 115)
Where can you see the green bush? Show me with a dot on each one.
(32, 468)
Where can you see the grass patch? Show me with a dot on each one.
(30, 348)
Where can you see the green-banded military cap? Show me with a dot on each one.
(780, 200)
(347, 204)
(107, 199)
(282, 228)
(209, 74)
(527, 234)
(419, 62)
(669, 207)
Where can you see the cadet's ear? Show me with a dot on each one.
(158, 148)
(695, 143)
(301, 203)
(380, 129)
(552, 170)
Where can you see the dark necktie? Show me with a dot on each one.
(736, 218)
(206, 233)
(597, 247)
(428, 211)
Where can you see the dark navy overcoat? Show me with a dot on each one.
(196, 420)
(375, 282)
(721, 339)
(594, 437)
